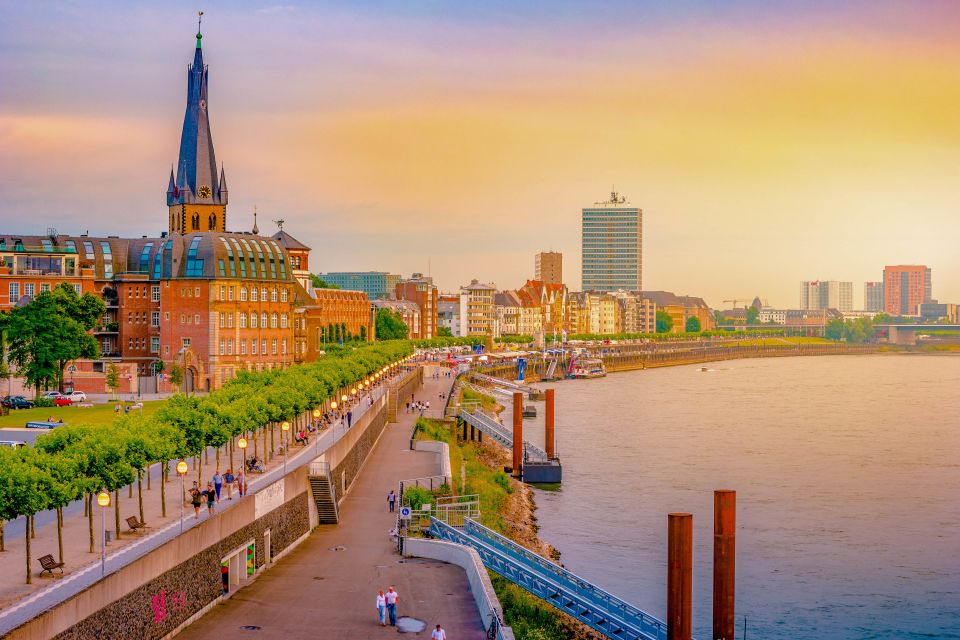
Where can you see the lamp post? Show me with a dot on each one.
(285, 427)
(242, 444)
(182, 472)
(103, 499)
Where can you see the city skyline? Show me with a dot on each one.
(814, 158)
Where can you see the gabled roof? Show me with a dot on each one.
(288, 242)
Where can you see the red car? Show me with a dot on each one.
(62, 401)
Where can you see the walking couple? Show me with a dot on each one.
(387, 605)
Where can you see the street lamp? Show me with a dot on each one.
(103, 499)
(182, 472)
(285, 427)
(242, 444)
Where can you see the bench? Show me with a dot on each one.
(49, 564)
(134, 523)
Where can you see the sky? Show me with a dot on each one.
(766, 142)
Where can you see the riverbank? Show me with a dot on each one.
(508, 507)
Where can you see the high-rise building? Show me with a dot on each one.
(826, 294)
(873, 296)
(905, 287)
(549, 267)
(612, 246)
(378, 285)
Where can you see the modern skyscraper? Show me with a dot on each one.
(196, 198)
(549, 267)
(873, 296)
(826, 294)
(905, 287)
(612, 246)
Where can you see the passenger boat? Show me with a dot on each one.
(587, 368)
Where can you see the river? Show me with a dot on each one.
(847, 471)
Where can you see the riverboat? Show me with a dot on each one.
(587, 368)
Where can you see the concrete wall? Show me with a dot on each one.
(469, 561)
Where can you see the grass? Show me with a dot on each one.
(97, 414)
(530, 617)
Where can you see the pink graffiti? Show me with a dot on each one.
(177, 602)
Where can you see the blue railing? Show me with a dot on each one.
(564, 590)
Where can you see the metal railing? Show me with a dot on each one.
(567, 591)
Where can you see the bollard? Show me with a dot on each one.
(724, 562)
(548, 435)
(517, 434)
(679, 576)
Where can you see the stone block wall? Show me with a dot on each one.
(158, 607)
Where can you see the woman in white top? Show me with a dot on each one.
(382, 609)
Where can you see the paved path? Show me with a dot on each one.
(316, 592)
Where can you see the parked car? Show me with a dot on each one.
(77, 396)
(13, 444)
(62, 401)
(16, 402)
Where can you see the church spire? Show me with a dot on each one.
(197, 175)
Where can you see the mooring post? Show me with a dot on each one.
(517, 434)
(548, 435)
(679, 576)
(724, 562)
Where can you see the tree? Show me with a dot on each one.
(112, 378)
(175, 375)
(320, 283)
(692, 325)
(753, 315)
(50, 331)
(389, 325)
(664, 322)
(444, 332)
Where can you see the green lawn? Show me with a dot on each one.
(97, 414)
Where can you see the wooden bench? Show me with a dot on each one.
(134, 523)
(49, 564)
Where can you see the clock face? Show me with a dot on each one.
(204, 191)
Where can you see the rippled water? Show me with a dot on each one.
(848, 478)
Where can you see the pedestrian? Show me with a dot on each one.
(391, 500)
(438, 634)
(228, 479)
(392, 597)
(382, 609)
(211, 497)
(217, 483)
(195, 500)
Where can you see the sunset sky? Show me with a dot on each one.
(767, 142)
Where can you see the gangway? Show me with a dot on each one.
(552, 583)
(499, 433)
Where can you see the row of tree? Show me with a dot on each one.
(77, 461)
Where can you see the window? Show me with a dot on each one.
(223, 346)
(155, 294)
(263, 320)
(154, 318)
(273, 346)
(154, 344)
(242, 320)
(273, 295)
(29, 289)
(283, 321)
(14, 292)
(253, 294)
(253, 320)
(283, 295)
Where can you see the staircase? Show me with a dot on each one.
(324, 492)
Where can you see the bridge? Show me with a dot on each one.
(550, 582)
(907, 333)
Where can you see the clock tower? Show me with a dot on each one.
(196, 194)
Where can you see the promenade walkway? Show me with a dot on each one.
(318, 591)
(20, 602)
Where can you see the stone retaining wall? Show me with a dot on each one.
(163, 604)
